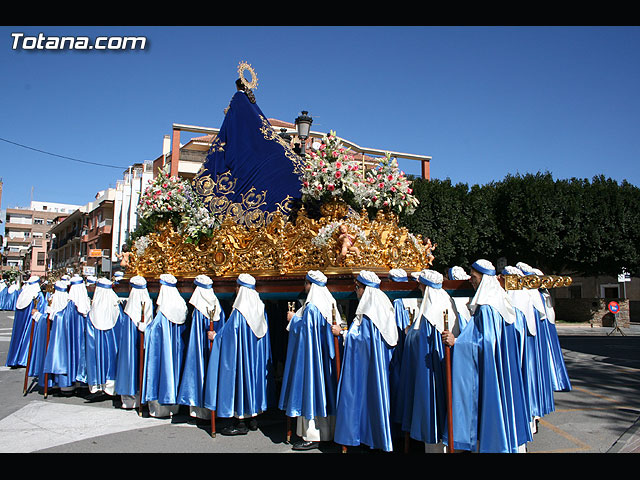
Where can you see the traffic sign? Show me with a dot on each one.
(613, 307)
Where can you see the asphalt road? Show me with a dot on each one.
(599, 415)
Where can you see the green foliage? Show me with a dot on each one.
(569, 226)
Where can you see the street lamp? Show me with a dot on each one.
(303, 124)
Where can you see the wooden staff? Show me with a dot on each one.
(292, 308)
(141, 363)
(26, 373)
(46, 375)
(336, 341)
(447, 357)
(212, 314)
(407, 439)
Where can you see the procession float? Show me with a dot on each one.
(257, 206)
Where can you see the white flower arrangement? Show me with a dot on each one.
(331, 171)
(389, 187)
(173, 197)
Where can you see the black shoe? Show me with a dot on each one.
(238, 429)
(253, 424)
(96, 397)
(305, 445)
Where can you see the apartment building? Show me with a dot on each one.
(27, 234)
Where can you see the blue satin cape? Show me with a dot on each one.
(544, 366)
(423, 410)
(309, 381)
(483, 396)
(127, 368)
(63, 361)
(164, 348)
(191, 391)
(363, 404)
(239, 379)
(101, 350)
(18, 352)
(395, 390)
(10, 299)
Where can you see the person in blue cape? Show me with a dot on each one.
(363, 402)
(29, 296)
(137, 314)
(525, 326)
(406, 309)
(92, 281)
(207, 316)
(80, 305)
(239, 379)
(56, 360)
(164, 348)
(544, 358)
(3, 294)
(561, 382)
(250, 172)
(101, 341)
(310, 379)
(11, 297)
(423, 410)
(485, 395)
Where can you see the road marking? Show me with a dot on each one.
(581, 446)
(41, 425)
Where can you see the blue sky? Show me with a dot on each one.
(484, 102)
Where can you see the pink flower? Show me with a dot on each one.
(393, 189)
(319, 187)
(381, 185)
(409, 190)
(330, 187)
(338, 165)
(390, 177)
(338, 174)
(305, 183)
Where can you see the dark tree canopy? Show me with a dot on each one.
(573, 226)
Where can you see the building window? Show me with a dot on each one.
(40, 260)
(575, 291)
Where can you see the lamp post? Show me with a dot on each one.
(303, 124)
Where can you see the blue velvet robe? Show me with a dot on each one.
(18, 352)
(164, 349)
(309, 381)
(191, 391)
(363, 404)
(239, 379)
